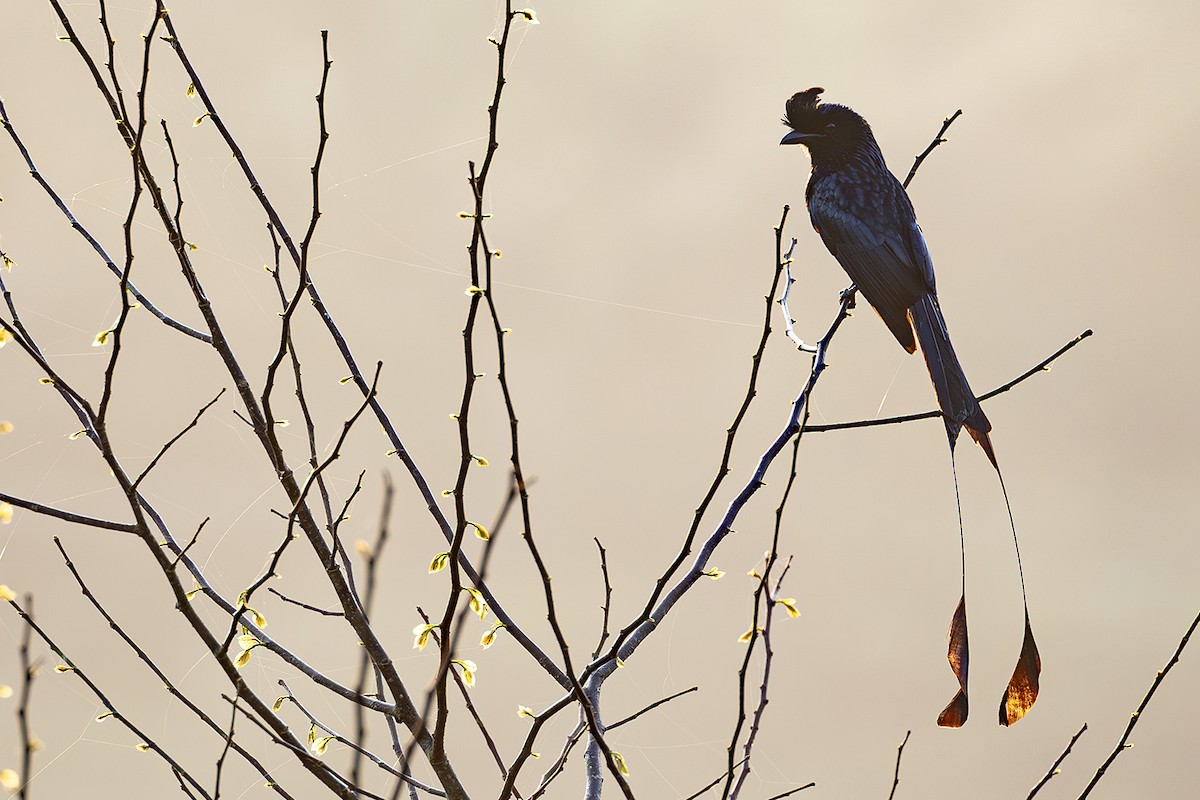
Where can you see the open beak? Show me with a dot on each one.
(795, 137)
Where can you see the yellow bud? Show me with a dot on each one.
(468, 670)
(789, 605)
(421, 632)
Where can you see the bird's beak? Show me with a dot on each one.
(795, 137)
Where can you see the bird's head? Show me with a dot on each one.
(830, 132)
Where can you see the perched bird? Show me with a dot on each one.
(867, 222)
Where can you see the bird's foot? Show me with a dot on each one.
(848, 296)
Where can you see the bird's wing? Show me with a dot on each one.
(887, 263)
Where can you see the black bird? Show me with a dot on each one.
(867, 222)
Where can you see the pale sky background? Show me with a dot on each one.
(634, 195)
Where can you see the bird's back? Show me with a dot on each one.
(866, 220)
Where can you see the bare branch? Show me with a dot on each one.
(29, 670)
(1054, 768)
(1041, 366)
(937, 140)
(896, 775)
(145, 742)
(1123, 742)
(651, 707)
(68, 516)
(6, 123)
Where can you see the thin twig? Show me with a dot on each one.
(723, 468)
(372, 553)
(470, 706)
(170, 443)
(539, 721)
(68, 516)
(1041, 366)
(651, 707)
(710, 785)
(937, 140)
(1054, 768)
(560, 763)
(789, 324)
(322, 611)
(772, 598)
(144, 657)
(29, 671)
(1123, 742)
(762, 590)
(793, 791)
(229, 734)
(35, 173)
(398, 447)
(896, 775)
(334, 735)
(598, 671)
(146, 742)
(606, 606)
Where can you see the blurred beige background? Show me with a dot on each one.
(634, 194)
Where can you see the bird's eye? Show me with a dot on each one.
(830, 126)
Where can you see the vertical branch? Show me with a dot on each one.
(399, 449)
(372, 553)
(229, 734)
(29, 670)
(137, 156)
(723, 468)
(899, 756)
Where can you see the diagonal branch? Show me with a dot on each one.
(1123, 742)
(1041, 366)
(68, 516)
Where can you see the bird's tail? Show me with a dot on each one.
(959, 407)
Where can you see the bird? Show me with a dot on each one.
(866, 220)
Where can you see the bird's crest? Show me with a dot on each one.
(800, 103)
